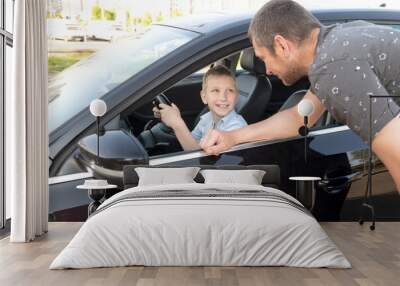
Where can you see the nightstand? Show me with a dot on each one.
(96, 191)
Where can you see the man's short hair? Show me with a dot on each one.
(281, 17)
(217, 70)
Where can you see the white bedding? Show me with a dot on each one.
(190, 230)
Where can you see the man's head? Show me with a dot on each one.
(281, 33)
(219, 90)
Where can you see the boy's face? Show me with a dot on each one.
(220, 94)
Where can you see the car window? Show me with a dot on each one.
(186, 95)
(201, 71)
(239, 67)
(72, 90)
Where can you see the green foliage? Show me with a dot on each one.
(147, 19)
(58, 63)
(159, 17)
(56, 15)
(59, 15)
(137, 21)
(96, 12)
(110, 15)
(129, 19)
(176, 13)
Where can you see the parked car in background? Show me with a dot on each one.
(105, 30)
(66, 29)
(170, 58)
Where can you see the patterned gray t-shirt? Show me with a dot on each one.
(352, 61)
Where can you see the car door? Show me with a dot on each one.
(335, 150)
(73, 162)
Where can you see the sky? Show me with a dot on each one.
(139, 7)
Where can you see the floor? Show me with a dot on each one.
(375, 257)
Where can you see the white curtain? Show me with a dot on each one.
(26, 124)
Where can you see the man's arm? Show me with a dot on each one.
(282, 125)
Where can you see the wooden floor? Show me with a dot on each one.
(375, 257)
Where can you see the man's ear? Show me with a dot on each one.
(203, 96)
(281, 46)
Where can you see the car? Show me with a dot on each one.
(66, 29)
(169, 59)
(105, 30)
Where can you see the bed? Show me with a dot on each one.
(201, 224)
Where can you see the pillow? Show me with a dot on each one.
(163, 176)
(249, 177)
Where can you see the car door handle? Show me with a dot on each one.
(336, 184)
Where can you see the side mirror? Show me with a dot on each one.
(117, 148)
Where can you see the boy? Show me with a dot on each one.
(220, 94)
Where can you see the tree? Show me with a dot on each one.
(96, 12)
(176, 13)
(159, 17)
(109, 15)
(137, 21)
(128, 18)
(58, 15)
(147, 19)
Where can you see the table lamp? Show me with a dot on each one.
(305, 108)
(98, 108)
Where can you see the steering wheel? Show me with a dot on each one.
(161, 98)
(156, 134)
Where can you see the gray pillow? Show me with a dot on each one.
(248, 177)
(163, 176)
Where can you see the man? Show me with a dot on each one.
(345, 63)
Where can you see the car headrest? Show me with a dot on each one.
(293, 99)
(251, 63)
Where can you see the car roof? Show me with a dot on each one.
(216, 22)
(208, 23)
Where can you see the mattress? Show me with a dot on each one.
(201, 225)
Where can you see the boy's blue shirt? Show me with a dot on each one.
(229, 122)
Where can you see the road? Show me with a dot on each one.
(60, 46)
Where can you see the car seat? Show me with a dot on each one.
(295, 98)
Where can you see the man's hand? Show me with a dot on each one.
(284, 124)
(170, 115)
(216, 141)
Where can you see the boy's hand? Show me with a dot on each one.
(170, 115)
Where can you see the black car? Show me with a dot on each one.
(169, 59)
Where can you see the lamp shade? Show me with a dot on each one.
(305, 107)
(98, 107)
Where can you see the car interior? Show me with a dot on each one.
(260, 96)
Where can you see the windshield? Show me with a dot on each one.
(72, 90)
